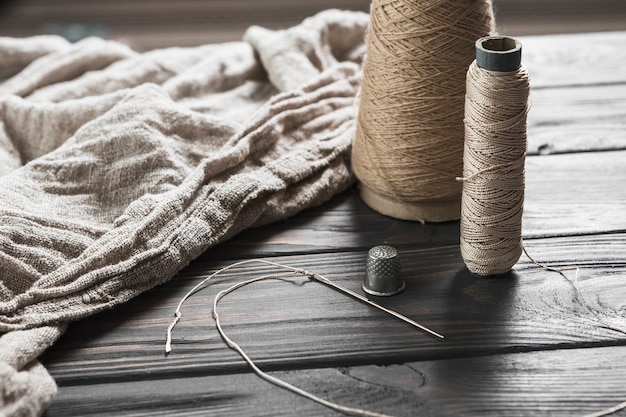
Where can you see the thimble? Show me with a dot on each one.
(382, 274)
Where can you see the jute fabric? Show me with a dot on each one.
(117, 168)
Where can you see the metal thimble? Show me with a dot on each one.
(382, 274)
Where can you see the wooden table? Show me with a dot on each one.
(522, 345)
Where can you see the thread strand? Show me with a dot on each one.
(276, 381)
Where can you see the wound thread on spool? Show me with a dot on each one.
(408, 147)
(496, 107)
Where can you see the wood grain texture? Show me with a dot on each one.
(549, 383)
(577, 119)
(578, 92)
(574, 60)
(581, 193)
(305, 324)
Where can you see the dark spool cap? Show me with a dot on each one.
(498, 53)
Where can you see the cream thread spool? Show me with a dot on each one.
(496, 106)
(408, 147)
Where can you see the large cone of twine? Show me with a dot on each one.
(408, 148)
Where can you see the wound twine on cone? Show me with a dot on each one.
(496, 106)
(408, 147)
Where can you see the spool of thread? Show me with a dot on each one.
(496, 107)
(408, 147)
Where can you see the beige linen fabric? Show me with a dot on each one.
(118, 168)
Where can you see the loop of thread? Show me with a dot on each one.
(496, 106)
(409, 140)
(281, 276)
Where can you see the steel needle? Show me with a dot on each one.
(359, 297)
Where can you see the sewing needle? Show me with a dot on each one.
(359, 297)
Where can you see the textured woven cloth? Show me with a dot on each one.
(118, 168)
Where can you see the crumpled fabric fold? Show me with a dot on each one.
(118, 168)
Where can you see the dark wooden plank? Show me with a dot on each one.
(158, 23)
(575, 194)
(247, 395)
(565, 195)
(564, 383)
(550, 383)
(575, 59)
(524, 17)
(343, 224)
(287, 326)
(578, 90)
(577, 119)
